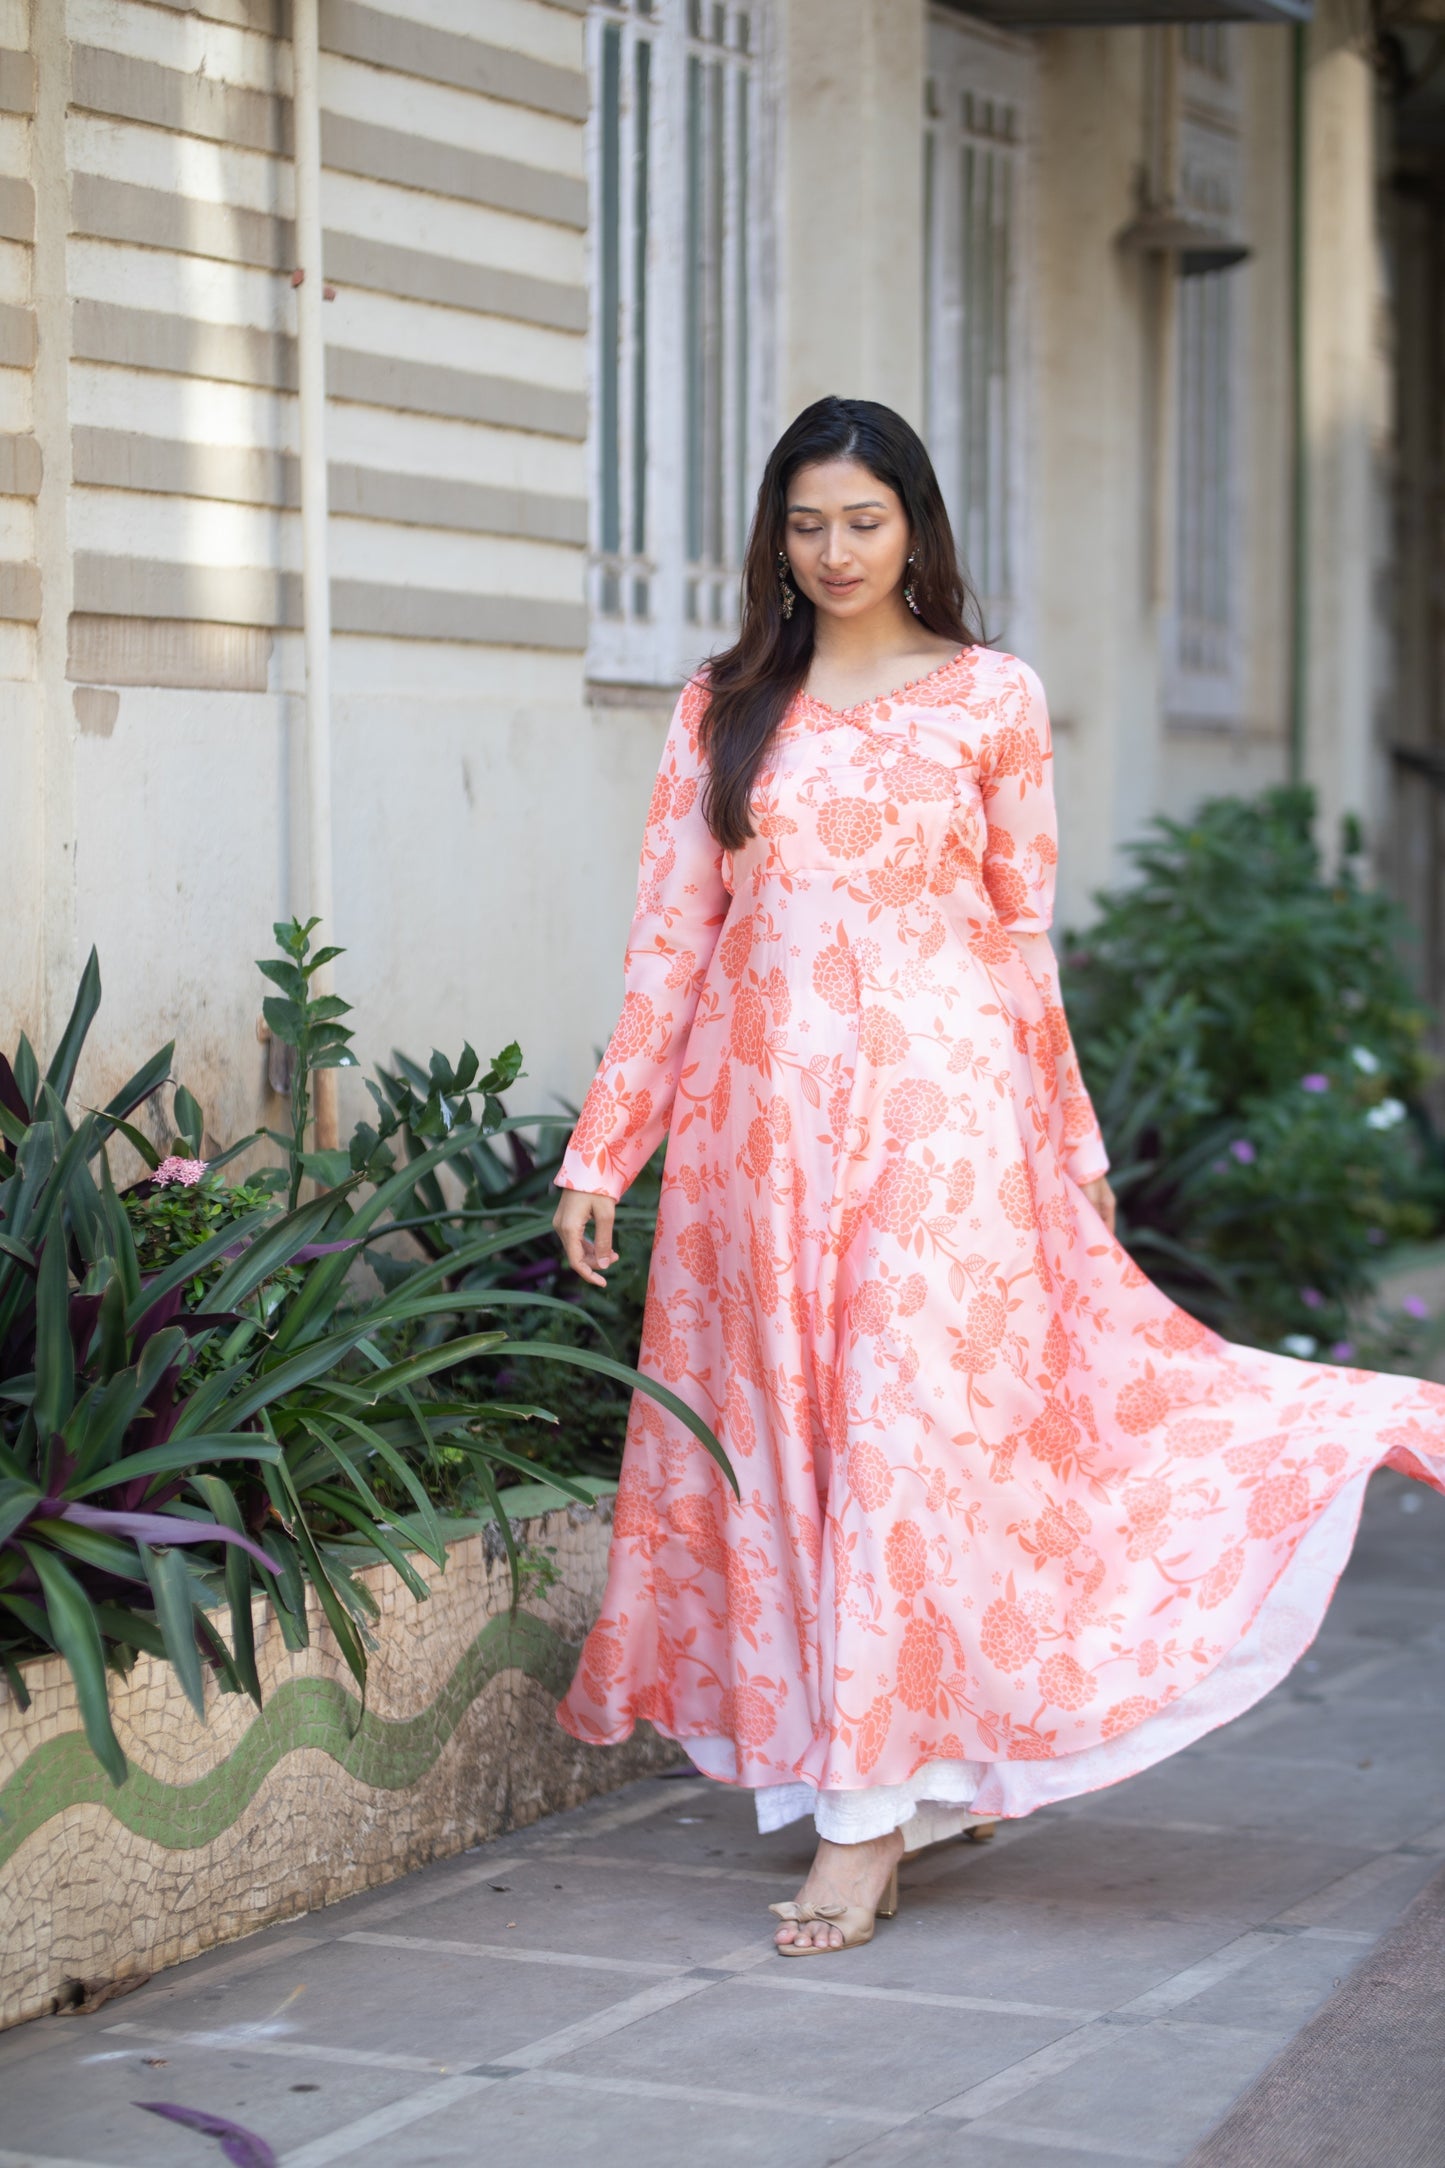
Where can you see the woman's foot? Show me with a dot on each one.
(848, 1874)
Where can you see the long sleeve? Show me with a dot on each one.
(1019, 871)
(682, 901)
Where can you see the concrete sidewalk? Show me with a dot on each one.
(1095, 1986)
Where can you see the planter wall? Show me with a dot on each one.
(256, 1815)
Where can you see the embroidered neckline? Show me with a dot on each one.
(805, 699)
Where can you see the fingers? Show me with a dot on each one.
(583, 1253)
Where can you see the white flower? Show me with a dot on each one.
(1299, 1343)
(1366, 1062)
(1386, 1114)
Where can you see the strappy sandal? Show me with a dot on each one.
(855, 1921)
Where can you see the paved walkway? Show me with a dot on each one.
(1095, 1986)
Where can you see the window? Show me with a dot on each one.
(1204, 679)
(676, 279)
(975, 150)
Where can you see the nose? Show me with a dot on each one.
(836, 552)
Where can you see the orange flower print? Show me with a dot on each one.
(912, 1295)
(895, 883)
(869, 1476)
(1141, 1406)
(736, 946)
(882, 1039)
(960, 1185)
(745, 1715)
(749, 1040)
(920, 1665)
(870, 1308)
(758, 1151)
(835, 977)
(1007, 1635)
(906, 1557)
(873, 1732)
(1279, 1500)
(1127, 1714)
(698, 1252)
(634, 1028)
(1064, 1682)
(1016, 1195)
(849, 827)
(899, 1199)
(915, 1108)
(1222, 1579)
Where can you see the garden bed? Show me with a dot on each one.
(257, 1815)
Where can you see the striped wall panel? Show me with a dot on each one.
(242, 354)
(110, 210)
(237, 474)
(135, 103)
(257, 595)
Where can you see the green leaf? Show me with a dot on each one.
(138, 1142)
(189, 1120)
(327, 1008)
(137, 1089)
(171, 1588)
(584, 1359)
(114, 1347)
(239, 1583)
(178, 1456)
(20, 1251)
(27, 1072)
(77, 1636)
(284, 1018)
(54, 1354)
(285, 975)
(199, 1260)
(61, 1073)
(270, 1251)
(331, 1167)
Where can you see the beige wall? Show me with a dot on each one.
(487, 808)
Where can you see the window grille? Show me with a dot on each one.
(975, 148)
(1207, 590)
(676, 276)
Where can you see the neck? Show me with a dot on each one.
(849, 643)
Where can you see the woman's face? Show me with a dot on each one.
(847, 537)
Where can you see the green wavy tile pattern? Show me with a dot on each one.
(303, 1713)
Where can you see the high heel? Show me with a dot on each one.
(855, 1922)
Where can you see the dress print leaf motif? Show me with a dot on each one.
(1003, 1505)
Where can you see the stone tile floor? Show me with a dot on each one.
(1095, 1986)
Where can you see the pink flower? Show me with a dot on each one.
(1314, 1082)
(1342, 1351)
(1414, 1306)
(1311, 1298)
(1242, 1150)
(185, 1171)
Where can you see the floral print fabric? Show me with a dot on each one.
(1002, 1501)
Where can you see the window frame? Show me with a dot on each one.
(1211, 185)
(662, 646)
(970, 56)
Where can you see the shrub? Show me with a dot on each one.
(186, 1421)
(1257, 1058)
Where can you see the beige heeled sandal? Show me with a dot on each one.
(855, 1922)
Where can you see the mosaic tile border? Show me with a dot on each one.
(320, 1713)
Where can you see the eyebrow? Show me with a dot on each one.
(869, 504)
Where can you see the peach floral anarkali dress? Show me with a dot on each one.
(1012, 1525)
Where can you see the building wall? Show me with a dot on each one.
(487, 799)
(154, 664)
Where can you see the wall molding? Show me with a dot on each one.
(109, 210)
(261, 596)
(105, 331)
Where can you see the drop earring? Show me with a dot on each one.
(908, 595)
(789, 598)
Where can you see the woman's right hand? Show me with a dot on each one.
(588, 1255)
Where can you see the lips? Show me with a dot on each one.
(841, 587)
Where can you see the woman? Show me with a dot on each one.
(1012, 1525)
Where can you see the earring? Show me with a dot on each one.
(908, 595)
(789, 598)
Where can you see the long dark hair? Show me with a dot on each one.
(751, 684)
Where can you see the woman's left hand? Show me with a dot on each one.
(1101, 1197)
